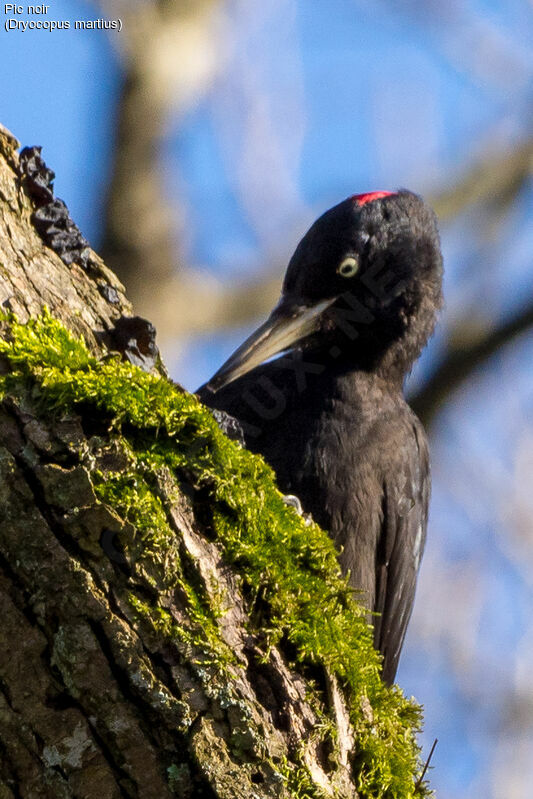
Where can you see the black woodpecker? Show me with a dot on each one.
(358, 304)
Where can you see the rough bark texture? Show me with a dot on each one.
(32, 276)
(94, 702)
(108, 684)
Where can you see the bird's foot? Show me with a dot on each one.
(294, 502)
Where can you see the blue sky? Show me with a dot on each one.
(357, 96)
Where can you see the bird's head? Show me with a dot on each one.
(361, 290)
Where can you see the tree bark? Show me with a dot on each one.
(109, 683)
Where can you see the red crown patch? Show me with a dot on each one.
(361, 199)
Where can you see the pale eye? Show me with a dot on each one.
(348, 267)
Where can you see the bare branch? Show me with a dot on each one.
(194, 302)
(463, 360)
(170, 57)
(495, 179)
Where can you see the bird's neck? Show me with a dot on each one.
(394, 363)
(372, 363)
(387, 352)
(366, 392)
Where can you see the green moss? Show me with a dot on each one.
(291, 568)
(298, 782)
(156, 550)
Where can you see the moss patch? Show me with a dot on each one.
(289, 571)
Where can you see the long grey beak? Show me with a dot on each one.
(288, 324)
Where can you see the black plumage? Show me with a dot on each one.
(358, 303)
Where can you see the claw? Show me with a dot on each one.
(294, 502)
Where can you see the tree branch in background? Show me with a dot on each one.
(170, 55)
(463, 360)
(495, 180)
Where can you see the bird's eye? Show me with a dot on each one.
(348, 266)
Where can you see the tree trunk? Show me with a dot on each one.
(155, 640)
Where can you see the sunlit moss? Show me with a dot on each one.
(291, 568)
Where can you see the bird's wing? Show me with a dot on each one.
(405, 511)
